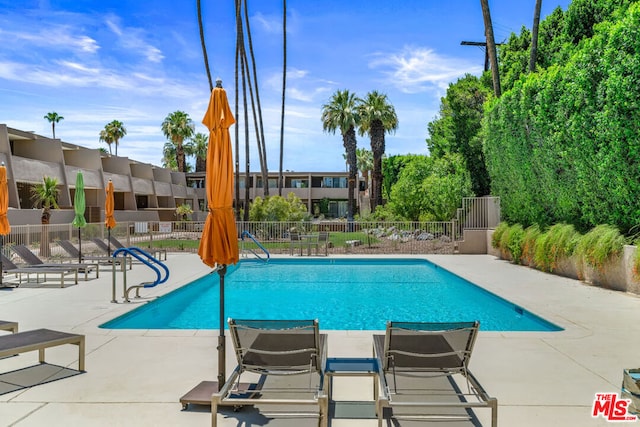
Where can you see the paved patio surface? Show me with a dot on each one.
(136, 377)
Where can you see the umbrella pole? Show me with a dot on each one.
(79, 246)
(221, 338)
(108, 241)
(1, 266)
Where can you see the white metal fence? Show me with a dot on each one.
(357, 237)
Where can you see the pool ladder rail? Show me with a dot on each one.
(253, 251)
(145, 258)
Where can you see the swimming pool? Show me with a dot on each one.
(343, 294)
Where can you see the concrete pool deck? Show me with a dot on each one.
(136, 377)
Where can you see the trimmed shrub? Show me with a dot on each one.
(600, 245)
(556, 243)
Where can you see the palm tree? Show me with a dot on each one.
(200, 144)
(106, 137)
(177, 127)
(169, 156)
(284, 85)
(45, 195)
(364, 159)
(534, 36)
(491, 47)
(117, 130)
(377, 118)
(53, 118)
(341, 113)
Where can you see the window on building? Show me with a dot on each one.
(297, 183)
(142, 201)
(334, 182)
(273, 183)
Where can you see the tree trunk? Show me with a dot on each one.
(491, 47)
(377, 148)
(201, 164)
(284, 84)
(45, 249)
(179, 156)
(349, 141)
(534, 37)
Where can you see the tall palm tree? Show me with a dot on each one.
(177, 127)
(200, 144)
(106, 137)
(377, 118)
(491, 47)
(53, 118)
(117, 131)
(45, 195)
(284, 85)
(534, 36)
(341, 113)
(364, 158)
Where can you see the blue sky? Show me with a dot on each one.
(136, 61)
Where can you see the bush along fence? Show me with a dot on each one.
(602, 256)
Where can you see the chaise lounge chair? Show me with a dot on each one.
(419, 364)
(10, 268)
(40, 339)
(289, 358)
(35, 262)
(159, 253)
(8, 326)
(74, 253)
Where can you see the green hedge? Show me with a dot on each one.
(563, 145)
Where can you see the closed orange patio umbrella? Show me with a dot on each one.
(109, 220)
(219, 242)
(5, 228)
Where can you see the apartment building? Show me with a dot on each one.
(143, 192)
(324, 193)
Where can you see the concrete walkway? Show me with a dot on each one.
(136, 377)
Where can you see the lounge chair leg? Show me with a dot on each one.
(214, 410)
(323, 402)
(494, 412)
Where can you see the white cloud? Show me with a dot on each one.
(134, 39)
(270, 24)
(55, 38)
(419, 69)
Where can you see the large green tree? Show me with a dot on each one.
(377, 117)
(53, 118)
(430, 189)
(178, 127)
(457, 129)
(341, 113)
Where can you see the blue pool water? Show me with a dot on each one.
(343, 294)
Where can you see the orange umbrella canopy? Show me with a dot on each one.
(219, 243)
(4, 202)
(109, 220)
